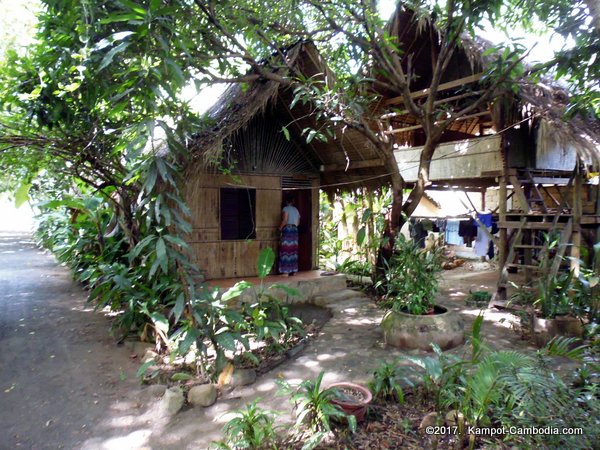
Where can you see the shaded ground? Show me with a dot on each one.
(65, 384)
(61, 376)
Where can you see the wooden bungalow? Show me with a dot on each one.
(244, 164)
(536, 169)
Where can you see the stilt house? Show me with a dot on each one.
(537, 172)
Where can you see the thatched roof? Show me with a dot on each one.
(348, 160)
(345, 161)
(235, 108)
(545, 100)
(549, 102)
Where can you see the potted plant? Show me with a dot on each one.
(555, 313)
(479, 299)
(352, 398)
(414, 319)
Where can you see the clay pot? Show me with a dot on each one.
(444, 328)
(354, 399)
(544, 330)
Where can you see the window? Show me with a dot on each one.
(238, 214)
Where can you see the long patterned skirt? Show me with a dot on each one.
(288, 249)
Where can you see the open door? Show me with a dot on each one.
(303, 201)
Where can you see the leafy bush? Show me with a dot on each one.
(479, 297)
(252, 428)
(386, 382)
(495, 388)
(363, 218)
(410, 283)
(314, 409)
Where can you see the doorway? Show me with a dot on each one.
(303, 201)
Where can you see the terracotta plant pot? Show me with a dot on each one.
(444, 328)
(354, 399)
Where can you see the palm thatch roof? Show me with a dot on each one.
(239, 104)
(348, 160)
(539, 101)
(344, 161)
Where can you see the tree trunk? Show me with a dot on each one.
(423, 178)
(394, 221)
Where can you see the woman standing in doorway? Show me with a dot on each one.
(288, 248)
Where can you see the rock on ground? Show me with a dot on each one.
(202, 395)
(243, 377)
(172, 401)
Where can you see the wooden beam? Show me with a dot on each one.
(508, 259)
(562, 246)
(376, 162)
(577, 212)
(436, 103)
(549, 194)
(441, 87)
(416, 127)
(520, 193)
(531, 225)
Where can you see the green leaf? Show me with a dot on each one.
(361, 236)
(134, 7)
(161, 254)
(176, 241)
(226, 340)
(190, 337)
(181, 376)
(121, 18)
(235, 291)
(22, 194)
(286, 133)
(266, 259)
(144, 367)
(366, 215)
(311, 136)
(178, 307)
(160, 322)
(111, 54)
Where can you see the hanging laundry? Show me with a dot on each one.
(468, 231)
(482, 241)
(418, 232)
(452, 237)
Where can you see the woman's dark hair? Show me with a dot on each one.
(289, 198)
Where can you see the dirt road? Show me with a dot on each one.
(63, 381)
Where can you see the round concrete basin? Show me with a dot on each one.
(444, 328)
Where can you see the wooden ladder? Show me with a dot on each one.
(548, 267)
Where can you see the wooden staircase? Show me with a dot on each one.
(538, 232)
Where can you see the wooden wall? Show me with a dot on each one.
(553, 151)
(237, 258)
(231, 258)
(454, 160)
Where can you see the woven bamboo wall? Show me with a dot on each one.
(231, 258)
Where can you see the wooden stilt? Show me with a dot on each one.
(577, 211)
(502, 241)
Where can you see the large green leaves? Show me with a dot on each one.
(266, 258)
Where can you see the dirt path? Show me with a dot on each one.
(63, 381)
